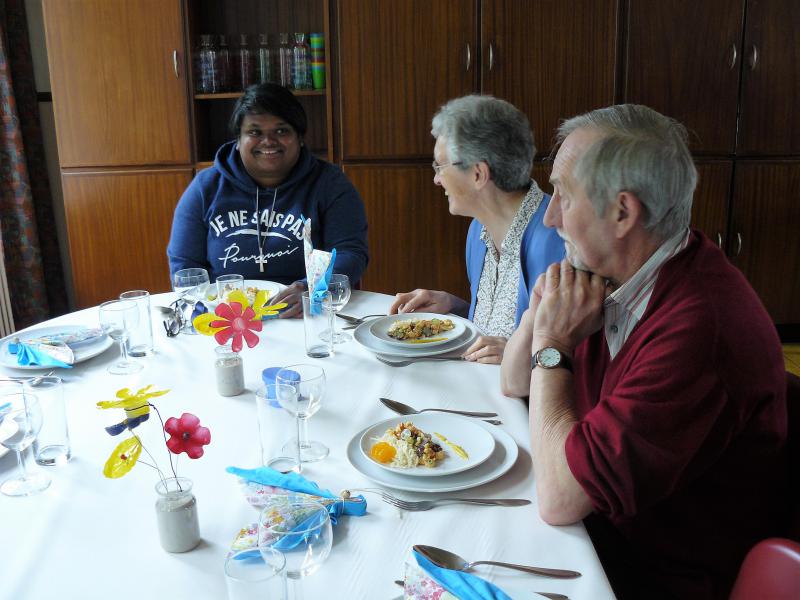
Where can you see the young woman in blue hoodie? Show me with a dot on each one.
(242, 215)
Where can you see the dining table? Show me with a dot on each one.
(88, 536)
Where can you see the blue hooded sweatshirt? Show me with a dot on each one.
(223, 213)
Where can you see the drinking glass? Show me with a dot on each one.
(272, 419)
(228, 283)
(18, 429)
(118, 318)
(191, 285)
(339, 287)
(300, 529)
(253, 574)
(309, 383)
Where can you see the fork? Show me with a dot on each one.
(356, 320)
(421, 505)
(405, 363)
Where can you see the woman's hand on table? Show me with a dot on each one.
(433, 301)
(292, 296)
(487, 349)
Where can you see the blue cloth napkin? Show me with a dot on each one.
(31, 355)
(321, 287)
(355, 507)
(463, 586)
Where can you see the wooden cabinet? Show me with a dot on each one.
(414, 240)
(118, 77)
(765, 223)
(710, 206)
(118, 224)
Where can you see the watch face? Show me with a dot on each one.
(549, 357)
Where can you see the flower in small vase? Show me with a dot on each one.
(237, 319)
(187, 435)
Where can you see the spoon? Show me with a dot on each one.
(405, 409)
(448, 560)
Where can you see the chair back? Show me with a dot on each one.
(770, 570)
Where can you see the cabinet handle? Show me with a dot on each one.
(738, 244)
(469, 57)
(719, 239)
(753, 60)
(175, 63)
(491, 56)
(734, 55)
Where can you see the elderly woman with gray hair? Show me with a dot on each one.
(483, 158)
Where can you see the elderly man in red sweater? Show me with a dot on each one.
(655, 375)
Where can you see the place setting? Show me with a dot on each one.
(52, 347)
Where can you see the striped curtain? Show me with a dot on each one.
(31, 255)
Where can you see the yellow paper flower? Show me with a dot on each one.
(135, 404)
(123, 458)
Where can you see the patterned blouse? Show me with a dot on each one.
(496, 305)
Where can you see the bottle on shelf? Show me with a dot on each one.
(266, 60)
(284, 61)
(207, 66)
(245, 70)
(301, 63)
(225, 65)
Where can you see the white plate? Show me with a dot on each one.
(82, 352)
(463, 431)
(380, 327)
(363, 336)
(271, 286)
(501, 460)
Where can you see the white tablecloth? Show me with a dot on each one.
(91, 537)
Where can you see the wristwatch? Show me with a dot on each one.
(551, 358)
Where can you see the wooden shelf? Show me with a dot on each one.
(235, 95)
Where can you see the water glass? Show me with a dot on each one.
(118, 318)
(339, 287)
(18, 429)
(260, 574)
(227, 284)
(318, 324)
(309, 384)
(51, 446)
(272, 420)
(140, 341)
(191, 285)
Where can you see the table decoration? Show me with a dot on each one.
(176, 507)
(426, 581)
(237, 319)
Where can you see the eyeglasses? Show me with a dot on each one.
(174, 323)
(437, 169)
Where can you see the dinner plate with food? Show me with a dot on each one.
(500, 460)
(427, 445)
(364, 335)
(417, 329)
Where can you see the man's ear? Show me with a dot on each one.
(628, 213)
(481, 174)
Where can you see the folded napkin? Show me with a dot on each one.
(263, 485)
(42, 354)
(463, 586)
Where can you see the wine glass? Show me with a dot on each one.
(309, 382)
(339, 287)
(191, 285)
(18, 429)
(250, 574)
(300, 529)
(118, 318)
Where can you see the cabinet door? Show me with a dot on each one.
(119, 224)
(770, 120)
(711, 198)
(683, 60)
(414, 241)
(552, 59)
(764, 231)
(118, 77)
(399, 61)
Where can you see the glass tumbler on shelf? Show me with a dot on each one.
(225, 64)
(19, 427)
(117, 319)
(301, 63)
(245, 64)
(284, 61)
(208, 81)
(266, 60)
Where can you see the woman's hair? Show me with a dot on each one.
(642, 152)
(269, 98)
(485, 128)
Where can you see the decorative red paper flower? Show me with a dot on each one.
(186, 435)
(236, 323)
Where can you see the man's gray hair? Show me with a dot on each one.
(642, 152)
(485, 128)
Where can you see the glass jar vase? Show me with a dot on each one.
(229, 370)
(176, 512)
